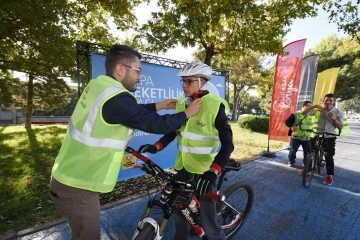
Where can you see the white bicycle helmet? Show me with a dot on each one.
(196, 69)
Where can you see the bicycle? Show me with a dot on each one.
(181, 195)
(315, 160)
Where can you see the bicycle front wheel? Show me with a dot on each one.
(309, 169)
(146, 233)
(321, 164)
(233, 211)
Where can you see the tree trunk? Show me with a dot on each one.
(234, 116)
(209, 55)
(29, 104)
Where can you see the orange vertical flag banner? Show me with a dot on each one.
(285, 89)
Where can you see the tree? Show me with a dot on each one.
(9, 87)
(346, 15)
(38, 37)
(48, 94)
(229, 28)
(250, 104)
(352, 105)
(265, 89)
(344, 53)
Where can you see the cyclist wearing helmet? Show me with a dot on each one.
(199, 159)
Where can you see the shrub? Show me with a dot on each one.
(255, 123)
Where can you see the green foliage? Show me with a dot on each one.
(69, 108)
(39, 37)
(250, 104)
(9, 88)
(346, 15)
(229, 27)
(352, 105)
(264, 90)
(343, 53)
(49, 94)
(255, 123)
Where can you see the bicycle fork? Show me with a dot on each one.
(159, 230)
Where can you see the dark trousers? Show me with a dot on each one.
(329, 152)
(294, 147)
(207, 213)
(81, 208)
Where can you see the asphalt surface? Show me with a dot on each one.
(282, 209)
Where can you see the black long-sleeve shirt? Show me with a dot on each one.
(123, 109)
(225, 137)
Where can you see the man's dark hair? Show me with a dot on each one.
(330, 95)
(305, 103)
(119, 53)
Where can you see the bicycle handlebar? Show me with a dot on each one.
(156, 170)
(319, 133)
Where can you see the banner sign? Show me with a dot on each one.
(285, 89)
(307, 80)
(325, 84)
(157, 84)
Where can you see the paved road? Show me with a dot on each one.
(282, 208)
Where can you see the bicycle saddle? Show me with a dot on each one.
(233, 165)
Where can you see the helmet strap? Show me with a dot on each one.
(199, 82)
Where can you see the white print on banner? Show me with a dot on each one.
(139, 133)
(305, 96)
(147, 92)
(287, 90)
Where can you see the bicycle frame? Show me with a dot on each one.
(174, 202)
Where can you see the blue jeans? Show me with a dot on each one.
(294, 146)
(208, 215)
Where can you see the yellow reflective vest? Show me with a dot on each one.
(306, 124)
(92, 150)
(198, 141)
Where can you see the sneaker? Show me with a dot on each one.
(328, 180)
(291, 164)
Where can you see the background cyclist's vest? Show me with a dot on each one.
(198, 140)
(307, 123)
(92, 150)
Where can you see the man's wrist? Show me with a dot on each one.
(158, 106)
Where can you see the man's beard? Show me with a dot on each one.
(127, 83)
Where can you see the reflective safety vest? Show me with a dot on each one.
(198, 141)
(92, 150)
(306, 124)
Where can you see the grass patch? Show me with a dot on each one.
(26, 160)
(249, 145)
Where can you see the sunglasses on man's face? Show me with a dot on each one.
(188, 82)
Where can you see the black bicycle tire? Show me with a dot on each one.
(145, 232)
(230, 190)
(305, 176)
(321, 168)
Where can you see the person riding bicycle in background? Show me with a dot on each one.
(327, 119)
(299, 137)
(199, 159)
(99, 130)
